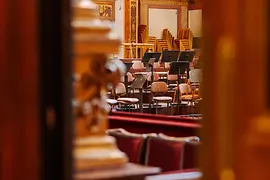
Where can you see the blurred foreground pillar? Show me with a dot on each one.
(236, 127)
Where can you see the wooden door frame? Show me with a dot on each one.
(35, 66)
(56, 87)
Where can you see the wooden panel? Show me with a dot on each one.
(19, 125)
(127, 21)
(232, 115)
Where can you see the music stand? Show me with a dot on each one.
(179, 68)
(169, 56)
(149, 58)
(187, 56)
(148, 55)
(128, 66)
(138, 83)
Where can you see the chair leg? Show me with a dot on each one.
(167, 109)
(156, 107)
(171, 108)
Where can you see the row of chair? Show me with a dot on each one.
(159, 150)
(159, 90)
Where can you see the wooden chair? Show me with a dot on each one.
(172, 78)
(160, 88)
(120, 90)
(189, 93)
(137, 65)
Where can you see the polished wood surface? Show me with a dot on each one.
(20, 116)
(232, 116)
(128, 171)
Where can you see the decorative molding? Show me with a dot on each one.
(165, 2)
(196, 4)
(127, 20)
(110, 5)
(134, 24)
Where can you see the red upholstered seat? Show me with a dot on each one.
(131, 144)
(164, 153)
(191, 151)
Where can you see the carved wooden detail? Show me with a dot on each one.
(165, 2)
(92, 44)
(127, 21)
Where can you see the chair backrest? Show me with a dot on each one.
(120, 89)
(167, 65)
(137, 65)
(156, 76)
(172, 77)
(195, 75)
(184, 88)
(156, 65)
(191, 149)
(191, 152)
(164, 153)
(186, 139)
(133, 145)
(129, 76)
(159, 87)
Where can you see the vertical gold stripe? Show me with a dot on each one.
(225, 56)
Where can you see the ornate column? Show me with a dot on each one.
(184, 15)
(93, 43)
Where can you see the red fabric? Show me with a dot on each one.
(141, 125)
(182, 118)
(148, 123)
(165, 154)
(132, 146)
(191, 151)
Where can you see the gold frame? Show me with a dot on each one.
(108, 3)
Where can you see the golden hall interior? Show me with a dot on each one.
(134, 90)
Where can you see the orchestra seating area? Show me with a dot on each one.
(162, 86)
(171, 154)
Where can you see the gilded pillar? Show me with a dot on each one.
(184, 16)
(93, 43)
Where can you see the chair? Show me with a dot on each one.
(137, 65)
(164, 153)
(187, 93)
(129, 76)
(156, 76)
(191, 151)
(167, 65)
(158, 88)
(172, 78)
(133, 145)
(112, 102)
(195, 79)
(171, 153)
(156, 65)
(128, 82)
(120, 90)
